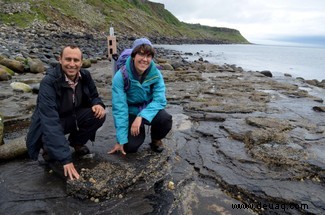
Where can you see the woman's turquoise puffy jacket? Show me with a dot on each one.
(125, 103)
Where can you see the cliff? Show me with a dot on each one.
(128, 17)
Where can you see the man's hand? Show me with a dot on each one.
(99, 111)
(135, 127)
(70, 171)
(116, 148)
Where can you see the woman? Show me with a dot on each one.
(142, 103)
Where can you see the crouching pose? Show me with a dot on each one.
(67, 103)
(143, 101)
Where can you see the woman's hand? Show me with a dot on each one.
(116, 148)
(135, 128)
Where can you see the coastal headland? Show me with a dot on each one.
(241, 143)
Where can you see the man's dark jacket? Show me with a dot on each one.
(46, 117)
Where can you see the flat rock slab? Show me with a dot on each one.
(110, 179)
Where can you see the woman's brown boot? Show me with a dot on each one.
(157, 146)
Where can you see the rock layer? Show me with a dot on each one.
(238, 138)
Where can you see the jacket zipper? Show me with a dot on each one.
(154, 77)
(74, 109)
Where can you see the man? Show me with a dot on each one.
(143, 103)
(67, 103)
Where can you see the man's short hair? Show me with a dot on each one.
(71, 47)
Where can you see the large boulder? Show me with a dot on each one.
(21, 87)
(13, 149)
(35, 65)
(7, 70)
(4, 76)
(14, 65)
(166, 66)
(86, 63)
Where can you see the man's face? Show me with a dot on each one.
(71, 62)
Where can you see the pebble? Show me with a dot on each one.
(171, 185)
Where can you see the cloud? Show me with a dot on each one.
(255, 19)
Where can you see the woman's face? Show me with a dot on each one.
(142, 62)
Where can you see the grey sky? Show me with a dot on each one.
(255, 19)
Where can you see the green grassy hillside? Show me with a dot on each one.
(134, 17)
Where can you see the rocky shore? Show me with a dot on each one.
(241, 143)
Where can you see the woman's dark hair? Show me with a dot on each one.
(144, 49)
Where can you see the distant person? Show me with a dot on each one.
(67, 103)
(142, 104)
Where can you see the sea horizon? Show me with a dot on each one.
(306, 61)
(312, 42)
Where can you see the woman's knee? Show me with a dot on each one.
(166, 121)
(128, 148)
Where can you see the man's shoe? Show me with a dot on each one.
(157, 146)
(81, 150)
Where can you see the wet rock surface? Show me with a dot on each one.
(238, 138)
(114, 178)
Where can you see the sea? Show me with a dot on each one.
(307, 62)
